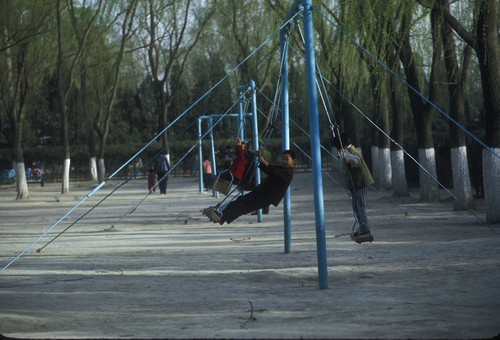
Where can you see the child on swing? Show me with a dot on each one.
(238, 164)
(357, 178)
(270, 191)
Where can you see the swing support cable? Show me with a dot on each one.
(397, 144)
(407, 84)
(177, 163)
(130, 177)
(406, 153)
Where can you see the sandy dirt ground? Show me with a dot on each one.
(165, 271)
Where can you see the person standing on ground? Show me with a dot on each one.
(270, 191)
(151, 180)
(161, 167)
(357, 178)
(207, 172)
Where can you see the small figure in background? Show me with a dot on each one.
(161, 168)
(152, 180)
(207, 172)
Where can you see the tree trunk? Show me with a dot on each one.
(62, 95)
(66, 152)
(101, 170)
(93, 153)
(65, 175)
(491, 175)
(486, 46)
(462, 188)
(428, 188)
(399, 183)
(375, 163)
(489, 65)
(385, 169)
(459, 165)
(21, 182)
(422, 113)
(93, 168)
(14, 101)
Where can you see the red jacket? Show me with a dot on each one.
(239, 162)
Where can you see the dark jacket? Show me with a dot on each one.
(356, 173)
(275, 185)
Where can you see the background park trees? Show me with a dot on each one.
(97, 79)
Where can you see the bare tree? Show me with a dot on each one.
(461, 179)
(422, 110)
(21, 63)
(66, 75)
(170, 42)
(102, 124)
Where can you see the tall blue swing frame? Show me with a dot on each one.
(306, 7)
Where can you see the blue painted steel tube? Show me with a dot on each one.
(212, 153)
(241, 129)
(315, 144)
(285, 137)
(200, 154)
(255, 136)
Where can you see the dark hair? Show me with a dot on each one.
(341, 141)
(289, 152)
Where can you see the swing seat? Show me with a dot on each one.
(221, 185)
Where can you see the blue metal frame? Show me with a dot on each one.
(315, 143)
(285, 138)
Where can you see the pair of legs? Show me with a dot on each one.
(243, 205)
(162, 184)
(207, 180)
(359, 208)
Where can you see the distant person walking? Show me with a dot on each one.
(161, 168)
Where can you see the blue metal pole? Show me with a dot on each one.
(212, 153)
(315, 144)
(200, 155)
(241, 130)
(255, 136)
(285, 137)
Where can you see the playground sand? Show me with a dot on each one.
(165, 271)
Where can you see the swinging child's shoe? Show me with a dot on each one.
(363, 237)
(213, 214)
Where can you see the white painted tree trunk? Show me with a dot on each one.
(399, 183)
(93, 168)
(375, 165)
(101, 170)
(21, 183)
(65, 174)
(462, 187)
(428, 186)
(491, 180)
(385, 168)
